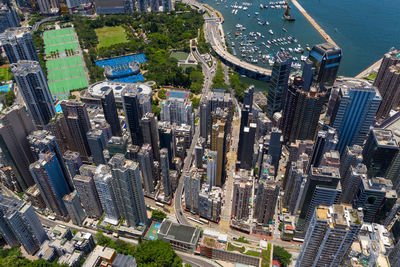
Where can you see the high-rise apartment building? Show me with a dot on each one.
(15, 126)
(326, 61)
(87, 193)
(275, 146)
(330, 235)
(73, 162)
(8, 18)
(212, 162)
(128, 192)
(267, 196)
(217, 99)
(242, 187)
(130, 103)
(34, 89)
(246, 149)
(149, 126)
(279, 83)
(326, 140)
(354, 111)
(192, 185)
(78, 122)
(351, 182)
(97, 145)
(177, 110)
(110, 111)
(146, 163)
(104, 186)
(18, 45)
(379, 151)
(164, 164)
(74, 208)
(19, 225)
(51, 181)
(58, 126)
(388, 82)
(218, 145)
(210, 203)
(394, 255)
(42, 141)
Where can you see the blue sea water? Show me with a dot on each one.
(365, 30)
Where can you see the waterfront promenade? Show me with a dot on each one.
(373, 67)
(314, 23)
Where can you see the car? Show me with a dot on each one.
(181, 213)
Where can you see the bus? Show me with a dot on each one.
(204, 221)
(51, 217)
(160, 204)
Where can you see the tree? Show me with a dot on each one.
(162, 94)
(156, 253)
(282, 255)
(158, 215)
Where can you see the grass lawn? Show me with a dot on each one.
(252, 253)
(371, 76)
(179, 55)
(5, 74)
(110, 35)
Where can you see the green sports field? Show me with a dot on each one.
(59, 40)
(110, 35)
(5, 74)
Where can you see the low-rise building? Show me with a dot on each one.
(181, 237)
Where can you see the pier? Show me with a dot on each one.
(324, 35)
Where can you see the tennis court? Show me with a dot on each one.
(130, 79)
(64, 86)
(61, 74)
(63, 62)
(119, 61)
(59, 40)
(152, 231)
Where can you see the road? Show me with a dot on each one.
(40, 22)
(196, 260)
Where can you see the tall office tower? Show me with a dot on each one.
(322, 188)
(18, 45)
(132, 115)
(73, 162)
(242, 188)
(58, 126)
(165, 134)
(87, 193)
(393, 173)
(74, 208)
(267, 196)
(264, 125)
(354, 111)
(145, 159)
(8, 18)
(203, 119)
(331, 159)
(296, 179)
(127, 187)
(352, 156)
(167, 5)
(372, 195)
(191, 185)
(110, 111)
(212, 163)
(248, 97)
(325, 141)
(275, 146)
(164, 164)
(77, 118)
(379, 151)
(388, 82)
(97, 144)
(154, 5)
(394, 255)
(198, 155)
(35, 91)
(149, 126)
(42, 141)
(51, 181)
(218, 145)
(329, 237)
(326, 60)
(104, 185)
(19, 224)
(247, 147)
(15, 126)
(351, 182)
(218, 99)
(308, 74)
(141, 5)
(278, 83)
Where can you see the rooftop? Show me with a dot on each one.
(385, 138)
(97, 89)
(179, 232)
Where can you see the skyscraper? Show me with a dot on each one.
(379, 151)
(394, 255)
(42, 141)
(326, 140)
(275, 146)
(388, 82)
(246, 150)
(110, 111)
(351, 182)
(218, 145)
(19, 224)
(58, 126)
(149, 126)
(73, 162)
(164, 163)
(132, 114)
(267, 196)
(154, 5)
(97, 144)
(308, 74)
(165, 134)
(330, 235)
(77, 118)
(141, 5)
(203, 119)
(88, 195)
(191, 185)
(74, 208)
(127, 187)
(145, 159)
(104, 186)
(18, 45)
(167, 5)
(278, 83)
(15, 126)
(248, 98)
(34, 89)
(326, 60)
(212, 167)
(51, 182)
(8, 18)
(242, 187)
(354, 111)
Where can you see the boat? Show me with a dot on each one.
(284, 29)
(287, 15)
(271, 32)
